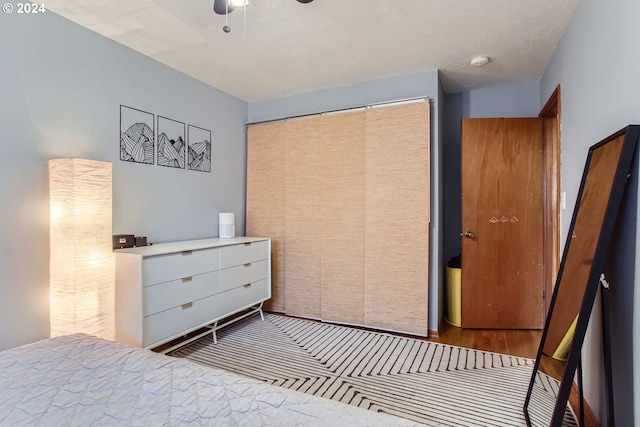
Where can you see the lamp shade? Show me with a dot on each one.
(82, 290)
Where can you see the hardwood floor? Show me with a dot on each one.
(516, 342)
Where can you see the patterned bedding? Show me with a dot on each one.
(81, 380)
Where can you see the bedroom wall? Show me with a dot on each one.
(598, 70)
(425, 84)
(62, 86)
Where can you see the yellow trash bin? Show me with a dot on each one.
(562, 352)
(454, 296)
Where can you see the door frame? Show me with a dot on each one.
(551, 193)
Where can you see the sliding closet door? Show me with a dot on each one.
(266, 147)
(397, 217)
(343, 214)
(303, 217)
(345, 198)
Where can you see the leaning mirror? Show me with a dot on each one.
(583, 261)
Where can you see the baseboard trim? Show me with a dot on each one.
(435, 333)
(359, 326)
(590, 419)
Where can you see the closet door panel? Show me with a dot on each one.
(302, 207)
(397, 218)
(342, 224)
(266, 198)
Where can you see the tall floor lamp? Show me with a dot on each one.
(82, 290)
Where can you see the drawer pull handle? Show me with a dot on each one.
(187, 305)
(187, 279)
(187, 252)
(248, 264)
(247, 285)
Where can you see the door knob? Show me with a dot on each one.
(469, 235)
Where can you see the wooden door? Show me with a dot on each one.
(502, 223)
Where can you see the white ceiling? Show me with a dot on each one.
(278, 48)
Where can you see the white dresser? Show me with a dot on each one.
(167, 290)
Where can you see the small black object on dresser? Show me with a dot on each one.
(123, 241)
(140, 241)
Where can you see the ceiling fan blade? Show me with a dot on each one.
(220, 7)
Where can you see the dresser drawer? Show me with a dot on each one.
(164, 268)
(168, 290)
(241, 254)
(181, 319)
(241, 275)
(247, 295)
(163, 296)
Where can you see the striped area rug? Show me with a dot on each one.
(432, 383)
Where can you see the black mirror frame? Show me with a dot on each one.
(632, 134)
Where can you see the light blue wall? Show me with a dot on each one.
(522, 100)
(61, 87)
(620, 272)
(424, 84)
(597, 65)
(441, 208)
(337, 98)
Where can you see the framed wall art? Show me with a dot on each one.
(137, 136)
(199, 149)
(171, 143)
